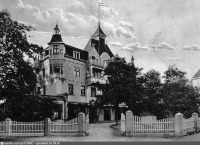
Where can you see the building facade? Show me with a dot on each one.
(68, 73)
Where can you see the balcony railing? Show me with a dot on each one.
(91, 80)
(56, 56)
(95, 63)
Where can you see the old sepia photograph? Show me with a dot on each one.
(99, 71)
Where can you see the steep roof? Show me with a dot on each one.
(103, 47)
(56, 38)
(99, 32)
(69, 51)
(197, 75)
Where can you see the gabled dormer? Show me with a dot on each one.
(97, 47)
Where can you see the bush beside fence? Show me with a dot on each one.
(47, 127)
(177, 126)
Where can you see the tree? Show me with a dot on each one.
(178, 94)
(113, 92)
(17, 74)
(133, 88)
(17, 77)
(152, 93)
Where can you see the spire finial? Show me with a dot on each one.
(132, 59)
(56, 28)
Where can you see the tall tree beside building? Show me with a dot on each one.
(133, 88)
(113, 92)
(17, 77)
(178, 94)
(152, 97)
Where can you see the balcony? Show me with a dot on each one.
(95, 63)
(91, 80)
(56, 56)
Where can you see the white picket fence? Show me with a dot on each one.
(176, 126)
(188, 124)
(198, 123)
(47, 127)
(28, 128)
(3, 127)
(141, 125)
(64, 127)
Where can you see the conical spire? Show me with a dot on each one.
(99, 32)
(56, 38)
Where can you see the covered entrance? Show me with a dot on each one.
(107, 114)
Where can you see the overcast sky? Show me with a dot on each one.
(158, 33)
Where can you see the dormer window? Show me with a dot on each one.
(76, 54)
(56, 49)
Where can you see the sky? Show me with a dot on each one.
(157, 33)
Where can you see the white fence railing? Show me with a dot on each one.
(64, 127)
(176, 126)
(3, 127)
(47, 127)
(198, 123)
(141, 125)
(28, 128)
(188, 124)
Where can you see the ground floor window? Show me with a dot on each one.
(70, 88)
(82, 90)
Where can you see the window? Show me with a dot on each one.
(51, 69)
(61, 69)
(51, 52)
(82, 90)
(76, 72)
(56, 69)
(56, 49)
(43, 72)
(93, 57)
(93, 92)
(76, 54)
(70, 87)
(61, 51)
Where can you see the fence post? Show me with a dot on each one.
(8, 126)
(178, 125)
(81, 125)
(122, 123)
(129, 123)
(47, 127)
(195, 116)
